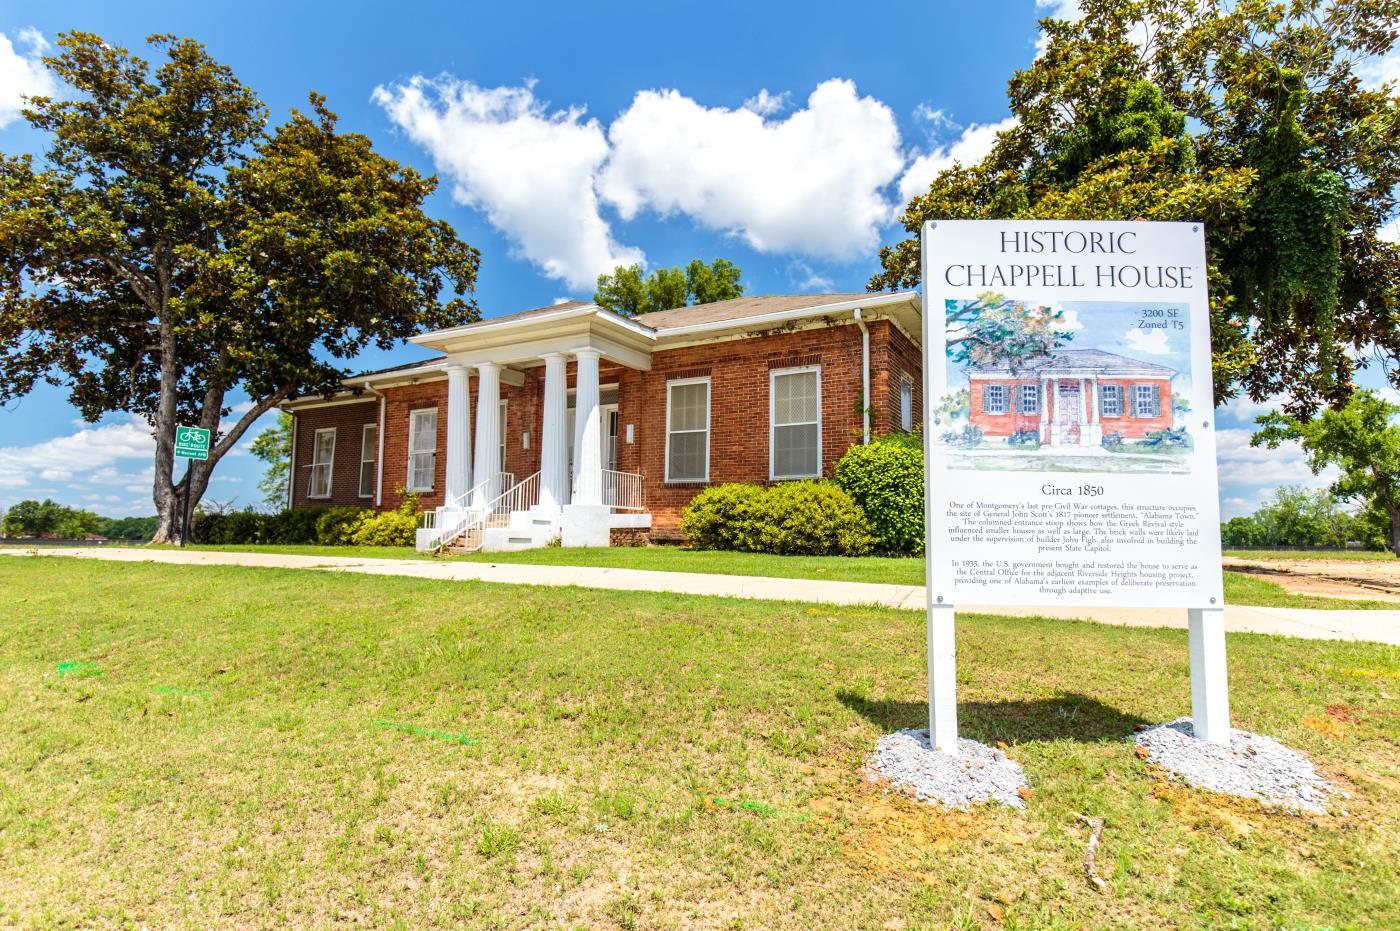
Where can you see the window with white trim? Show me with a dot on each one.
(688, 430)
(906, 404)
(369, 448)
(1110, 400)
(322, 459)
(422, 449)
(501, 432)
(795, 422)
(994, 399)
(1147, 401)
(1030, 399)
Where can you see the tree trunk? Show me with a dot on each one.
(1394, 530)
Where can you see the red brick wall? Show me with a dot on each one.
(1132, 428)
(349, 421)
(893, 357)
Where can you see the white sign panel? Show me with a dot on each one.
(1069, 415)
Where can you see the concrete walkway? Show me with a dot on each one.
(1378, 626)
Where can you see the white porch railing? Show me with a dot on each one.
(468, 527)
(622, 490)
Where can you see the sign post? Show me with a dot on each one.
(1069, 434)
(190, 443)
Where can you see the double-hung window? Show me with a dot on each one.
(1030, 399)
(1110, 400)
(1147, 401)
(422, 449)
(322, 458)
(795, 423)
(369, 450)
(906, 404)
(994, 398)
(688, 430)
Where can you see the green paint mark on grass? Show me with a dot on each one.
(78, 670)
(762, 808)
(414, 729)
(184, 693)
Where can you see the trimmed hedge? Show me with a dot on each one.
(886, 479)
(812, 518)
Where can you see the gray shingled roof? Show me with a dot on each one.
(740, 307)
(1077, 360)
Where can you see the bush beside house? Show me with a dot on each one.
(332, 526)
(886, 480)
(810, 518)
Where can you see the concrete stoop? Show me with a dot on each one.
(571, 525)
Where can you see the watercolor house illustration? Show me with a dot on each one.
(1071, 397)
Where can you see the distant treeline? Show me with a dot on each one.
(1307, 519)
(52, 520)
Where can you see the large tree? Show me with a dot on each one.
(274, 447)
(168, 250)
(1249, 116)
(629, 291)
(1362, 439)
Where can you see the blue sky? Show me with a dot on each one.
(783, 136)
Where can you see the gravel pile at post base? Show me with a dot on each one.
(978, 774)
(1250, 767)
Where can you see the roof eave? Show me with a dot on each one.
(877, 299)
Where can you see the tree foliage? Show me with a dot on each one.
(48, 518)
(274, 447)
(993, 329)
(168, 248)
(628, 291)
(1362, 439)
(1248, 116)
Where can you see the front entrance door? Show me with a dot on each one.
(1068, 411)
(608, 433)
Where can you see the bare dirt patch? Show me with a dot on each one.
(1333, 578)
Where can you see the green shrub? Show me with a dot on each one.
(387, 528)
(336, 524)
(813, 518)
(886, 479)
(296, 526)
(713, 518)
(228, 529)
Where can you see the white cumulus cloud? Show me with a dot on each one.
(530, 169)
(90, 453)
(1259, 466)
(765, 103)
(809, 183)
(968, 149)
(22, 73)
(1148, 342)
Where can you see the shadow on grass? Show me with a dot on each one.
(1068, 715)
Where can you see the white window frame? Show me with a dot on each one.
(372, 461)
(1156, 395)
(906, 403)
(1022, 392)
(501, 427)
(412, 417)
(1115, 392)
(709, 412)
(1005, 400)
(329, 464)
(773, 376)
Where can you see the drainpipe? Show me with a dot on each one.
(379, 459)
(292, 463)
(864, 377)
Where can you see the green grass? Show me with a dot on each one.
(1360, 555)
(1240, 588)
(643, 760)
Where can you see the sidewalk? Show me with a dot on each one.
(1378, 626)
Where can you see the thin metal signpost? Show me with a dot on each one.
(190, 443)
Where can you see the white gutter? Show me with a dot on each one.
(379, 459)
(511, 323)
(864, 376)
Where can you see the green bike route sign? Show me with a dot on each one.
(192, 442)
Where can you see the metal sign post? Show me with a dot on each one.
(1069, 441)
(190, 443)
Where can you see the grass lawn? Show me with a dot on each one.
(1240, 588)
(1361, 555)
(255, 748)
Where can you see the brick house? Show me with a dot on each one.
(1071, 397)
(489, 434)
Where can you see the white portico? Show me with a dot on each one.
(578, 502)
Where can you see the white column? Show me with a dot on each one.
(459, 433)
(554, 442)
(1095, 432)
(588, 448)
(942, 680)
(488, 429)
(1045, 411)
(1210, 697)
